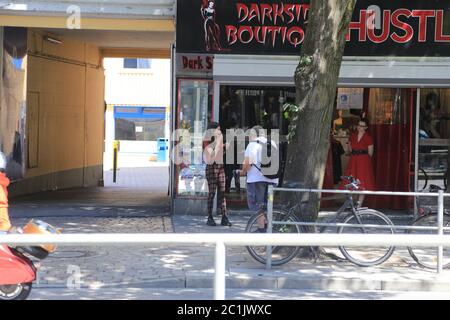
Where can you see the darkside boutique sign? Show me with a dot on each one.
(378, 27)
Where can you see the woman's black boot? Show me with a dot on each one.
(225, 221)
(211, 222)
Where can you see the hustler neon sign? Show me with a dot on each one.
(397, 26)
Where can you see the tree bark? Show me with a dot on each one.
(316, 80)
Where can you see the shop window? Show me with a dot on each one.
(388, 106)
(139, 123)
(390, 112)
(136, 63)
(195, 111)
(246, 106)
(139, 129)
(433, 137)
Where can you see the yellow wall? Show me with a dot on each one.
(164, 25)
(68, 80)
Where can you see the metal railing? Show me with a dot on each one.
(223, 240)
(440, 214)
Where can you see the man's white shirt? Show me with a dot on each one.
(254, 152)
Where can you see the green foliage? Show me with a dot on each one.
(305, 61)
(291, 112)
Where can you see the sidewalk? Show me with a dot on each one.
(189, 267)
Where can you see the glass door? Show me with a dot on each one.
(433, 138)
(195, 111)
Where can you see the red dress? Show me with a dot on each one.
(360, 165)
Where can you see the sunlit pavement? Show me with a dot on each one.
(231, 294)
(186, 272)
(162, 271)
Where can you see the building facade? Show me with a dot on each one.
(395, 72)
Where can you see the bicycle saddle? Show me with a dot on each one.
(434, 187)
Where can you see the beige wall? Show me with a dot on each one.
(67, 80)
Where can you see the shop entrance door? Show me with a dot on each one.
(242, 107)
(432, 138)
(390, 114)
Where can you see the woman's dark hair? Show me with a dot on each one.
(213, 125)
(211, 139)
(366, 121)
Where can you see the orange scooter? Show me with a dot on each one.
(17, 269)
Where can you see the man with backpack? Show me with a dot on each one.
(261, 166)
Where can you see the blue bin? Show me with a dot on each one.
(162, 146)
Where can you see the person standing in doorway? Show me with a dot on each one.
(361, 151)
(215, 174)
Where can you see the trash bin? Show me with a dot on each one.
(162, 149)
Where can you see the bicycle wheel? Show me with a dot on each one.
(424, 174)
(362, 255)
(427, 256)
(280, 254)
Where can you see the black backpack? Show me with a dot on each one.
(270, 166)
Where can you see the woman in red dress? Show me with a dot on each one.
(361, 152)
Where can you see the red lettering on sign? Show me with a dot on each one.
(209, 62)
(254, 12)
(266, 11)
(423, 16)
(231, 32)
(243, 30)
(242, 11)
(360, 26)
(439, 36)
(295, 40)
(386, 28)
(260, 34)
(278, 12)
(289, 11)
(406, 28)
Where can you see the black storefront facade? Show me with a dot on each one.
(234, 63)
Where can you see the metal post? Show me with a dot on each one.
(269, 225)
(440, 230)
(219, 277)
(115, 153)
(416, 152)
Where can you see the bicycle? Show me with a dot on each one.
(426, 256)
(423, 173)
(351, 215)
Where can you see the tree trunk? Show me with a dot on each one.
(316, 81)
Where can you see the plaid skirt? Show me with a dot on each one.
(215, 175)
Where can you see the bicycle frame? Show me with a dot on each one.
(347, 207)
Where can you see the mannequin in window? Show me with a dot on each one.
(431, 115)
(338, 123)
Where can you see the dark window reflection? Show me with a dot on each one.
(433, 138)
(247, 106)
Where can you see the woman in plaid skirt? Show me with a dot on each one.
(215, 173)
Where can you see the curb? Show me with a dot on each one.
(274, 280)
